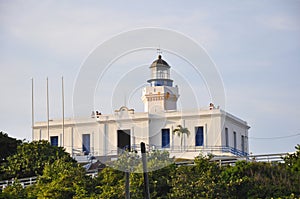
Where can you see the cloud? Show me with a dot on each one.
(75, 29)
(281, 22)
(51, 38)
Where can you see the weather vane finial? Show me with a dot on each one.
(159, 52)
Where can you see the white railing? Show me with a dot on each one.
(24, 182)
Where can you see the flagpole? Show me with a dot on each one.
(32, 109)
(48, 110)
(63, 110)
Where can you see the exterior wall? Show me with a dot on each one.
(72, 138)
(145, 127)
(160, 98)
(240, 128)
(211, 129)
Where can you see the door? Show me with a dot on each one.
(123, 140)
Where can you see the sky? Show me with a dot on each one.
(255, 46)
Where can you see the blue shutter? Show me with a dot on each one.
(243, 143)
(226, 138)
(199, 136)
(54, 140)
(234, 140)
(86, 143)
(165, 138)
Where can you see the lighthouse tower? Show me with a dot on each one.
(160, 95)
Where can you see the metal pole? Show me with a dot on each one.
(145, 171)
(63, 110)
(48, 110)
(32, 109)
(127, 186)
(72, 129)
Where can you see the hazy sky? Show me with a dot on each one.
(254, 44)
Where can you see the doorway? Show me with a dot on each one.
(123, 140)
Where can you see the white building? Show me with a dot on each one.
(212, 130)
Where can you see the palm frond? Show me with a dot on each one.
(181, 130)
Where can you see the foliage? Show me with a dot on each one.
(14, 191)
(293, 160)
(63, 179)
(197, 181)
(243, 180)
(127, 161)
(160, 168)
(8, 146)
(31, 158)
(111, 181)
(260, 180)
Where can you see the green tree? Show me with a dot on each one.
(259, 180)
(8, 146)
(111, 181)
(181, 132)
(63, 179)
(160, 167)
(292, 161)
(196, 181)
(14, 191)
(31, 158)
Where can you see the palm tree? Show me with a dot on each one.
(181, 131)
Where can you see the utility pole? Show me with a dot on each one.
(127, 186)
(145, 171)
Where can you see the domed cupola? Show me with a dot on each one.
(160, 73)
(160, 95)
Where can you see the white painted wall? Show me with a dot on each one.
(145, 127)
(160, 98)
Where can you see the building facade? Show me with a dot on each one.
(212, 130)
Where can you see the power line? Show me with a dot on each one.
(274, 138)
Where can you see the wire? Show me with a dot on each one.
(274, 138)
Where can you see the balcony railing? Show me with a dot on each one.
(201, 149)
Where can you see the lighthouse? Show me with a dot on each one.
(160, 95)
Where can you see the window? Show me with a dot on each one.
(234, 139)
(86, 143)
(158, 83)
(54, 140)
(165, 138)
(226, 138)
(199, 136)
(243, 143)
